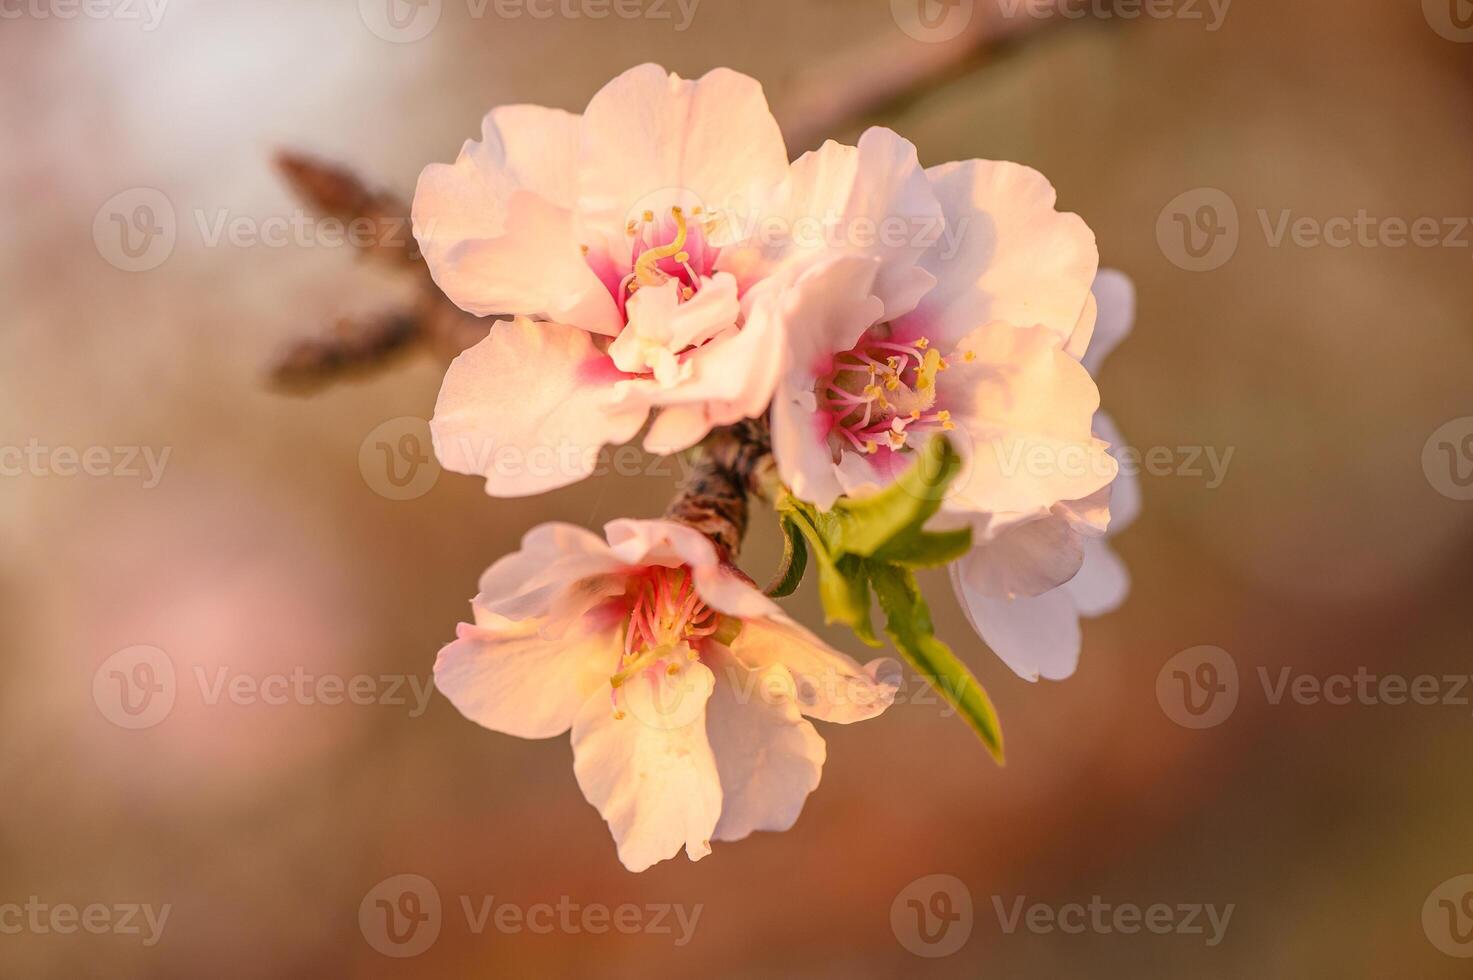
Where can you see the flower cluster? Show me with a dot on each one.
(658, 265)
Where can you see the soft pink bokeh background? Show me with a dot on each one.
(264, 549)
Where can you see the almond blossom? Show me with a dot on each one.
(685, 688)
(1038, 635)
(590, 232)
(976, 333)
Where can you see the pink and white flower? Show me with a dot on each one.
(685, 688)
(1038, 635)
(977, 334)
(590, 230)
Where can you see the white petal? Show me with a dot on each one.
(829, 685)
(525, 685)
(1102, 583)
(768, 755)
(497, 227)
(671, 544)
(1023, 408)
(1027, 559)
(872, 200)
(655, 783)
(1125, 491)
(552, 559)
(647, 131)
(1008, 254)
(528, 408)
(1115, 295)
(1036, 637)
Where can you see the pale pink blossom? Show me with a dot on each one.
(1038, 635)
(685, 688)
(591, 232)
(974, 330)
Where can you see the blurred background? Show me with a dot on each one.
(169, 517)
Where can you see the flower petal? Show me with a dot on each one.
(1035, 636)
(671, 544)
(528, 408)
(523, 684)
(651, 776)
(872, 200)
(1028, 558)
(525, 584)
(829, 686)
(768, 755)
(1023, 408)
(1008, 255)
(647, 131)
(1114, 296)
(497, 227)
(1102, 583)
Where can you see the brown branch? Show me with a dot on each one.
(379, 226)
(731, 465)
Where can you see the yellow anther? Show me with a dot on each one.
(618, 716)
(644, 266)
(677, 209)
(583, 249)
(871, 391)
(922, 343)
(870, 447)
(970, 355)
(944, 415)
(673, 669)
(682, 257)
(892, 382)
(915, 416)
(948, 426)
(649, 216)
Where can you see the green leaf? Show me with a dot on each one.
(842, 584)
(908, 623)
(925, 549)
(864, 526)
(794, 561)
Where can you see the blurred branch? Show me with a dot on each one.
(862, 81)
(380, 228)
